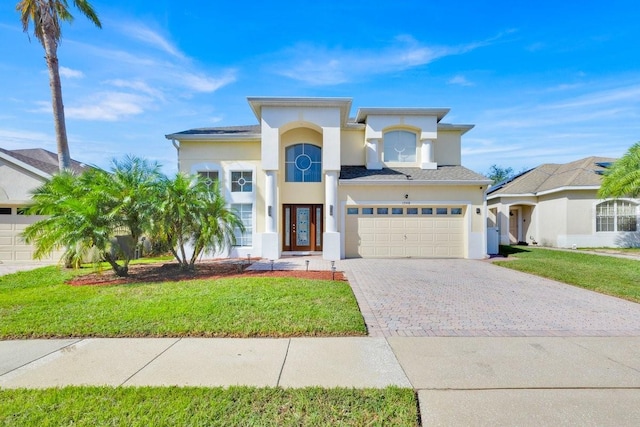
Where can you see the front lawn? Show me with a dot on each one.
(190, 406)
(609, 275)
(39, 304)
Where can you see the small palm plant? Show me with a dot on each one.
(194, 218)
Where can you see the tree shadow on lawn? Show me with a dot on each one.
(211, 270)
(505, 251)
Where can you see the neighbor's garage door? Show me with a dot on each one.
(12, 247)
(393, 232)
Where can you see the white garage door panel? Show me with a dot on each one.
(395, 236)
(12, 245)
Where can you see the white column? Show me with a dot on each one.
(373, 153)
(270, 239)
(331, 236)
(331, 201)
(270, 202)
(503, 221)
(427, 160)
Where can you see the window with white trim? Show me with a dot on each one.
(617, 215)
(241, 182)
(210, 177)
(245, 213)
(303, 163)
(399, 146)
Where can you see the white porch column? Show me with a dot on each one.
(503, 221)
(427, 160)
(331, 201)
(331, 236)
(373, 153)
(270, 241)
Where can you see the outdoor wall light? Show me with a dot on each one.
(406, 196)
(478, 211)
(331, 210)
(269, 210)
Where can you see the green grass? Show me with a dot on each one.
(173, 406)
(628, 251)
(608, 275)
(38, 303)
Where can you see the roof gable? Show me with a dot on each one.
(551, 177)
(41, 160)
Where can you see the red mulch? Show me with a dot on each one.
(148, 273)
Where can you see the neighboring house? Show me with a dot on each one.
(557, 205)
(387, 183)
(21, 171)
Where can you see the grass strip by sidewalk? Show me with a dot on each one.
(608, 275)
(38, 303)
(195, 406)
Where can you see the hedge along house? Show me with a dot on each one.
(308, 179)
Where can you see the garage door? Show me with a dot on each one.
(12, 247)
(398, 232)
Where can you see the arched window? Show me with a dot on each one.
(400, 146)
(617, 215)
(303, 163)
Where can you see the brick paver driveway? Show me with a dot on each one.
(420, 297)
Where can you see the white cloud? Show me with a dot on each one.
(137, 85)
(200, 82)
(141, 32)
(318, 65)
(70, 74)
(109, 106)
(460, 80)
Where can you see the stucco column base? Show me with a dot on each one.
(270, 246)
(331, 246)
(429, 165)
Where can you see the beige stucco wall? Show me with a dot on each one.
(447, 150)
(581, 211)
(552, 218)
(352, 149)
(16, 184)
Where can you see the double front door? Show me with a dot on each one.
(302, 227)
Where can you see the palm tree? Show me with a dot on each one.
(104, 211)
(194, 218)
(46, 16)
(622, 179)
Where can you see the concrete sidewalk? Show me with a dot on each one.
(460, 381)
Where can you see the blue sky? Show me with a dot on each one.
(542, 81)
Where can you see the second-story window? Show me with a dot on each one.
(399, 147)
(210, 177)
(303, 163)
(242, 182)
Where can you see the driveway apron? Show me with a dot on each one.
(456, 297)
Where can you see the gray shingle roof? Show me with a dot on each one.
(549, 176)
(42, 159)
(224, 130)
(442, 174)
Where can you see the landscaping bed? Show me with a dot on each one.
(167, 272)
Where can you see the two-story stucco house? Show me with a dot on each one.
(308, 178)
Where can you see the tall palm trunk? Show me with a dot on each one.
(51, 56)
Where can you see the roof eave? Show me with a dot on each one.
(25, 166)
(362, 114)
(373, 182)
(214, 137)
(257, 102)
